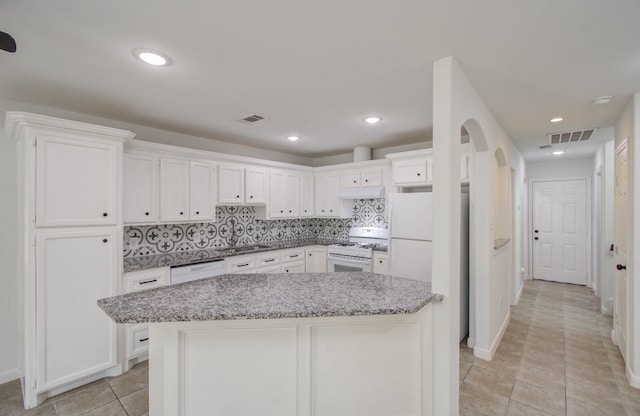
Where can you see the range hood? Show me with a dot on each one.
(371, 192)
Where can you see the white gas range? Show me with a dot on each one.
(356, 254)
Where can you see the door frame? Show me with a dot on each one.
(588, 220)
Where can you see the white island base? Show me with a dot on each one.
(378, 365)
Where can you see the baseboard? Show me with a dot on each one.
(517, 300)
(487, 355)
(633, 379)
(471, 342)
(9, 375)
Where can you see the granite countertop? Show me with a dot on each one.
(271, 296)
(180, 258)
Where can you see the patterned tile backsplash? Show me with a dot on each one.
(146, 240)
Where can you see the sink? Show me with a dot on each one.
(242, 249)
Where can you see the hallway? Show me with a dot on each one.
(556, 358)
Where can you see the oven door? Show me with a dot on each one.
(340, 263)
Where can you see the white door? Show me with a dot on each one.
(560, 231)
(620, 252)
(77, 181)
(201, 191)
(74, 338)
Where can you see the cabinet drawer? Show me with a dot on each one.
(146, 279)
(293, 254)
(241, 264)
(137, 340)
(294, 267)
(269, 269)
(268, 259)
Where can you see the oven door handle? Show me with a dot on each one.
(358, 260)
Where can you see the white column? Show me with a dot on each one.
(446, 240)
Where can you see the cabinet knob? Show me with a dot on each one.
(197, 212)
(181, 213)
(104, 214)
(237, 196)
(418, 173)
(282, 211)
(289, 211)
(380, 261)
(251, 197)
(536, 238)
(322, 210)
(330, 210)
(621, 266)
(146, 213)
(305, 210)
(354, 181)
(104, 240)
(366, 180)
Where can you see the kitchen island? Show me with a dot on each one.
(286, 344)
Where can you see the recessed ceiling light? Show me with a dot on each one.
(152, 57)
(558, 152)
(556, 119)
(604, 100)
(293, 138)
(373, 119)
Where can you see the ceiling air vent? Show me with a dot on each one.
(570, 136)
(253, 118)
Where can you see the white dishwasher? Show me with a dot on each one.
(181, 274)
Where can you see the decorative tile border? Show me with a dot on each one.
(171, 238)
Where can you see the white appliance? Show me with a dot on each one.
(196, 271)
(411, 242)
(356, 254)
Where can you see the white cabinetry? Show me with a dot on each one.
(186, 190)
(67, 164)
(140, 182)
(361, 178)
(71, 255)
(284, 194)
(239, 184)
(292, 260)
(76, 339)
(316, 259)
(412, 172)
(306, 195)
(241, 264)
(380, 264)
(327, 202)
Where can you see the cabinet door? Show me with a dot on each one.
(76, 181)
(230, 184)
(380, 264)
(333, 187)
(201, 191)
(294, 267)
(350, 179)
(410, 172)
(256, 185)
(316, 260)
(291, 194)
(371, 177)
(174, 190)
(276, 195)
(306, 193)
(75, 338)
(140, 181)
(322, 192)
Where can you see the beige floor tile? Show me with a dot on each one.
(464, 369)
(497, 381)
(592, 393)
(10, 389)
(84, 399)
(519, 409)
(133, 380)
(13, 406)
(136, 404)
(482, 401)
(540, 376)
(579, 408)
(549, 399)
(110, 409)
(591, 374)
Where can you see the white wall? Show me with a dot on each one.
(456, 103)
(628, 127)
(560, 168)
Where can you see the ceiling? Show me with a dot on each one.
(317, 68)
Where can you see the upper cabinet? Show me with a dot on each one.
(76, 180)
(140, 180)
(361, 178)
(239, 184)
(284, 194)
(187, 190)
(413, 171)
(307, 195)
(327, 202)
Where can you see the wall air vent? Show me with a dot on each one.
(253, 118)
(570, 136)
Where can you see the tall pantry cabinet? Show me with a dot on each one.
(70, 249)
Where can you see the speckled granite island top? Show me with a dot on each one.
(271, 296)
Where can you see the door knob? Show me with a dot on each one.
(621, 266)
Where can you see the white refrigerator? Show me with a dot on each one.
(411, 242)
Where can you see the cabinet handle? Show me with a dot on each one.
(366, 180)
(418, 173)
(287, 271)
(281, 211)
(146, 213)
(269, 260)
(144, 339)
(181, 213)
(294, 256)
(148, 281)
(309, 254)
(305, 210)
(237, 196)
(104, 214)
(354, 181)
(197, 212)
(105, 240)
(330, 210)
(251, 197)
(322, 210)
(289, 211)
(243, 265)
(380, 261)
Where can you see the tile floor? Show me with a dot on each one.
(556, 358)
(126, 395)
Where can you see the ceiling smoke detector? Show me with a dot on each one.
(604, 100)
(253, 118)
(570, 136)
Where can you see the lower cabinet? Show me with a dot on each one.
(74, 338)
(316, 259)
(137, 335)
(380, 264)
(241, 264)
